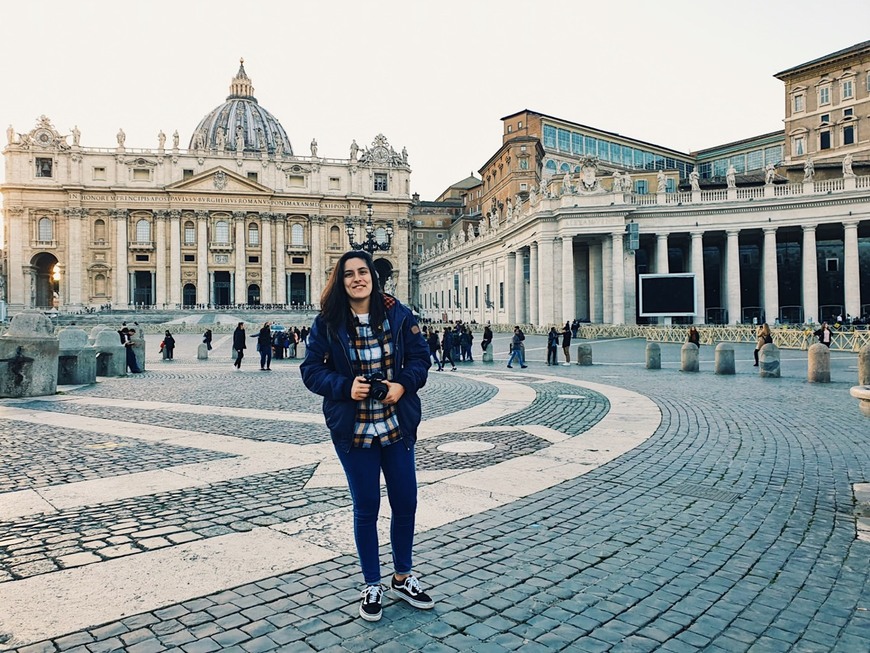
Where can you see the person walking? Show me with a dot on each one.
(367, 357)
(264, 346)
(447, 348)
(552, 346)
(434, 346)
(566, 343)
(465, 340)
(168, 345)
(206, 338)
(239, 344)
(517, 348)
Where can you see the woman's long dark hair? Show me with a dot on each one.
(334, 306)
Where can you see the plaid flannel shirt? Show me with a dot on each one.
(370, 354)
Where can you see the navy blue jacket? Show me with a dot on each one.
(327, 371)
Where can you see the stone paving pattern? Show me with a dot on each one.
(731, 529)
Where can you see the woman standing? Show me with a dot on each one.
(762, 337)
(694, 337)
(239, 344)
(552, 347)
(367, 358)
(264, 346)
(168, 345)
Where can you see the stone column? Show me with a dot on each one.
(175, 296)
(74, 280)
(316, 224)
(160, 257)
(569, 300)
(241, 285)
(662, 266)
(121, 294)
(280, 258)
(18, 283)
(203, 278)
(618, 256)
(266, 294)
(770, 290)
(509, 279)
(735, 312)
(535, 281)
(520, 288)
(697, 262)
(810, 275)
(596, 308)
(607, 281)
(546, 301)
(851, 269)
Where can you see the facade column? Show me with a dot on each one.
(121, 294)
(596, 308)
(735, 308)
(241, 286)
(697, 261)
(607, 281)
(160, 258)
(18, 284)
(203, 278)
(851, 270)
(266, 294)
(74, 279)
(555, 272)
(535, 280)
(520, 288)
(662, 263)
(770, 289)
(810, 275)
(175, 296)
(618, 256)
(546, 300)
(509, 280)
(569, 294)
(316, 224)
(280, 258)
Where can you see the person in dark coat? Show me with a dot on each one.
(566, 342)
(206, 338)
(168, 345)
(447, 348)
(264, 346)
(487, 337)
(239, 344)
(367, 358)
(434, 346)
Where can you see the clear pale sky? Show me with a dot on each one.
(434, 77)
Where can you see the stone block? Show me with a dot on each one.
(862, 393)
(864, 365)
(77, 361)
(689, 357)
(109, 353)
(28, 356)
(819, 364)
(584, 354)
(724, 359)
(768, 361)
(653, 356)
(201, 352)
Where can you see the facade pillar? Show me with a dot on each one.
(851, 270)
(546, 300)
(121, 294)
(596, 315)
(266, 294)
(18, 284)
(241, 286)
(74, 279)
(316, 224)
(175, 291)
(810, 275)
(569, 295)
(618, 256)
(160, 258)
(509, 280)
(662, 263)
(203, 278)
(607, 281)
(535, 281)
(520, 288)
(734, 306)
(770, 289)
(280, 258)
(697, 261)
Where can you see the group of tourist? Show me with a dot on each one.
(270, 343)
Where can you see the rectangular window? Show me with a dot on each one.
(419, 248)
(849, 135)
(253, 176)
(334, 183)
(626, 156)
(524, 164)
(773, 154)
(510, 128)
(648, 161)
(755, 160)
(848, 90)
(381, 181)
(189, 234)
(848, 112)
(832, 265)
(298, 260)
(190, 258)
(564, 140)
(143, 258)
(705, 170)
(501, 294)
(577, 143)
(590, 146)
(253, 259)
(670, 186)
(799, 146)
(604, 150)
(43, 167)
(520, 124)
(186, 174)
(739, 162)
(616, 153)
(549, 137)
(99, 174)
(670, 164)
(720, 167)
(141, 174)
(638, 159)
(825, 140)
(476, 293)
(826, 117)
(641, 186)
(297, 181)
(798, 103)
(824, 95)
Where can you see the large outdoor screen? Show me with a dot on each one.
(667, 295)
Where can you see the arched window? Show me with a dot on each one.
(143, 231)
(551, 165)
(564, 168)
(46, 229)
(100, 230)
(100, 285)
(297, 235)
(189, 233)
(222, 231)
(335, 237)
(253, 234)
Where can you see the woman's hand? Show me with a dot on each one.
(395, 393)
(360, 388)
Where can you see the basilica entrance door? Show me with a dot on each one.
(189, 294)
(221, 289)
(298, 288)
(47, 286)
(143, 290)
(253, 294)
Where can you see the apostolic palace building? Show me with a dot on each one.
(236, 218)
(560, 223)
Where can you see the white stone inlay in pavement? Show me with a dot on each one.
(466, 446)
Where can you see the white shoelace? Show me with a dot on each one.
(372, 593)
(412, 585)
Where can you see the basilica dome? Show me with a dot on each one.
(241, 118)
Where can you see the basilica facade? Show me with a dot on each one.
(235, 218)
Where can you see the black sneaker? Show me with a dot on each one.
(370, 607)
(409, 590)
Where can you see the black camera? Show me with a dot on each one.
(378, 389)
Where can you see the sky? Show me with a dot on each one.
(435, 77)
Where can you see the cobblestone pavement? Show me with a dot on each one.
(728, 526)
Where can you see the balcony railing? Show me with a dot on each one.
(142, 245)
(220, 247)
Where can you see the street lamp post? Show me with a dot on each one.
(369, 241)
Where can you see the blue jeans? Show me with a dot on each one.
(363, 470)
(517, 352)
(265, 356)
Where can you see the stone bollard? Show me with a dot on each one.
(487, 354)
(724, 358)
(768, 361)
(202, 352)
(864, 365)
(584, 354)
(819, 364)
(689, 357)
(76, 363)
(653, 356)
(862, 393)
(109, 353)
(28, 356)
